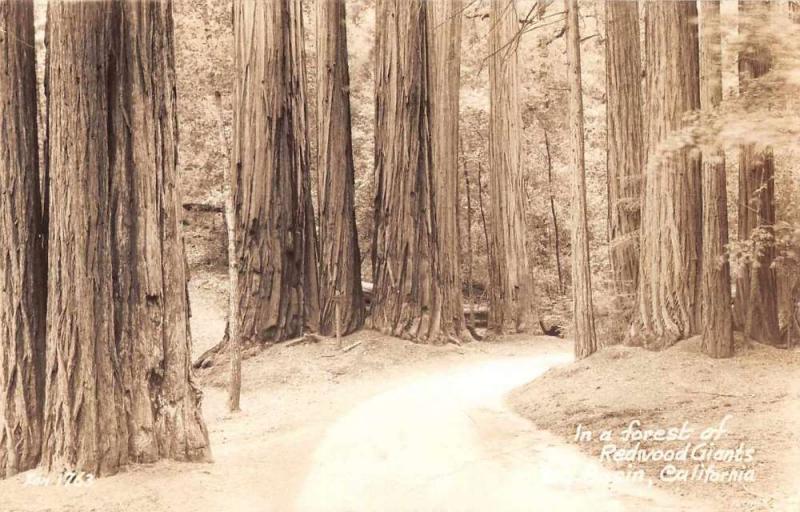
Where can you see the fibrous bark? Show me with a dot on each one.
(671, 232)
(444, 26)
(150, 276)
(276, 253)
(82, 389)
(625, 145)
(717, 315)
(23, 265)
(408, 300)
(119, 387)
(582, 305)
(340, 258)
(756, 302)
(510, 280)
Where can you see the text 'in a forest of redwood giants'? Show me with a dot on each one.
(673, 454)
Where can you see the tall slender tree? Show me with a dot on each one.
(671, 232)
(624, 143)
(717, 315)
(119, 387)
(232, 328)
(510, 280)
(444, 25)
(340, 259)
(582, 305)
(756, 302)
(276, 253)
(408, 299)
(23, 265)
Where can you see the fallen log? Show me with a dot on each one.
(351, 347)
(203, 207)
(296, 341)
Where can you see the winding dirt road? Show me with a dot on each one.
(434, 435)
(448, 443)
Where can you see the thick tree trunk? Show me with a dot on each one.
(340, 259)
(444, 29)
(23, 265)
(276, 250)
(150, 276)
(671, 234)
(625, 145)
(756, 302)
(408, 301)
(717, 315)
(85, 427)
(510, 280)
(792, 304)
(582, 305)
(119, 386)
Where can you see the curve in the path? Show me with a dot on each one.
(448, 443)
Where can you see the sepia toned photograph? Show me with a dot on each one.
(399, 255)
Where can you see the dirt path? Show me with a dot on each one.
(448, 442)
(432, 435)
(390, 425)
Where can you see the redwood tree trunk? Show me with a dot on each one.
(340, 259)
(625, 145)
(85, 428)
(408, 301)
(717, 316)
(23, 260)
(582, 306)
(119, 386)
(276, 250)
(150, 276)
(671, 234)
(510, 280)
(444, 26)
(756, 302)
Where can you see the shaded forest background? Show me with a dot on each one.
(204, 49)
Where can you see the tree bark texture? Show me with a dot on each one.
(23, 260)
(444, 26)
(756, 302)
(119, 386)
(510, 279)
(671, 233)
(556, 231)
(278, 288)
(469, 253)
(582, 305)
(340, 258)
(717, 314)
(408, 301)
(232, 329)
(625, 143)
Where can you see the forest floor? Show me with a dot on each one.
(389, 425)
(759, 388)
